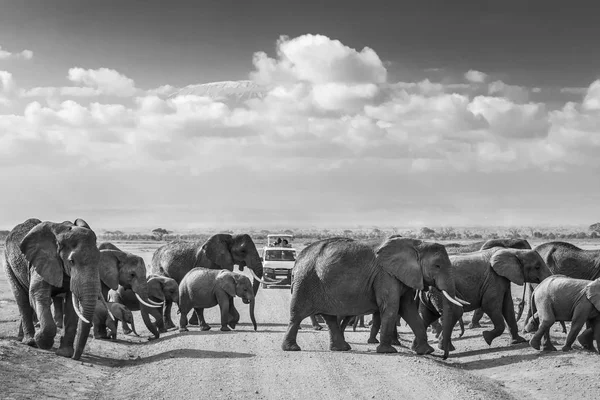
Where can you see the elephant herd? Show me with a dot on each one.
(62, 278)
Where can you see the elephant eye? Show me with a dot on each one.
(132, 274)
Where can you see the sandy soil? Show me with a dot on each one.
(244, 363)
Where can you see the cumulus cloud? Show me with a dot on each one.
(25, 54)
(105, 80)
(318, 59)
(475, 76)
(325, 109)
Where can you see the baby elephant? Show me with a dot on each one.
(560, 298)
(104, 325)
(204, 288)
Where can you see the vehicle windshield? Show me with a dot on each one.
(280, 255)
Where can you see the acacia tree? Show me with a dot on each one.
(158, 233)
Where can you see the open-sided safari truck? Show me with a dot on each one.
(278, 258)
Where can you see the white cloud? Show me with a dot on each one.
(107, 81)
(475, 76)
(328, 112)
(318, 59)
(25, 54)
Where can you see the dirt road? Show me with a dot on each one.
(248, 364)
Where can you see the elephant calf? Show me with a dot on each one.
(204, 288)
(104, 320)
(560, 298)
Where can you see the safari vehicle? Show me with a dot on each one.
(278, 258)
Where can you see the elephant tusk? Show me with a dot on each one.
(450, 299)
(77, 311)
(466, 303)
(144, 303)
(416, 294)
(155, 303)
(256, 277)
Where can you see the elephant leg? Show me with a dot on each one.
(547, 343)
(508, 310)
(429, 317)
(596, 331)
(184, 309)
(315, 324)
(40, 293)
(204, 326)
(71, 320)
(157, 314)
(336, 336)
(578, 320)
(125, 328)
(167, 315)
(146, 318)
(26, 328)
(57, 302)
(586, 339)
(410, 313)
(389, 315)
(345, 321)
(498, 322)
(234, 315)
(224, 305)
(544, 328)
(477, 315)
(289, 341)
(197, 320)
(375, 326)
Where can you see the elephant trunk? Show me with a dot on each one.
(252, 313)
(133, 327)
(85, 300)
(451, 314)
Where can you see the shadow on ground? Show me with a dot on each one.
(179, 353)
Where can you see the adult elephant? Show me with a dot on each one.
(506, 243)
(483, 279)
(567, 259)
(220, 251)
(44, 259)
(116, 268)
(560, 298)
(342, 277)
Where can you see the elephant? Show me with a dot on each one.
(561, 298)
(220, 251)
(164, 290)
(455, 248)
(567, 259)
(483, 279)
(118, 267)
(344, 277)
(506, 243)
(44, 259)
(204, 288)
(104, 319)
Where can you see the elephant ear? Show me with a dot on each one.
(40, 247)
(506, 263)
(217, 251)
(109, 267)
(399, 257)
(226, 281)
(592, 291)
(80, 222)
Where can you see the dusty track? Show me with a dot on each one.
(248, 364)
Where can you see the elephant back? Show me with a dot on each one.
(175, 259)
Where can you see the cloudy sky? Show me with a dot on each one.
(377, 113)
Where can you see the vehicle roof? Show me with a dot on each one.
(279, 248)
(279, 234)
